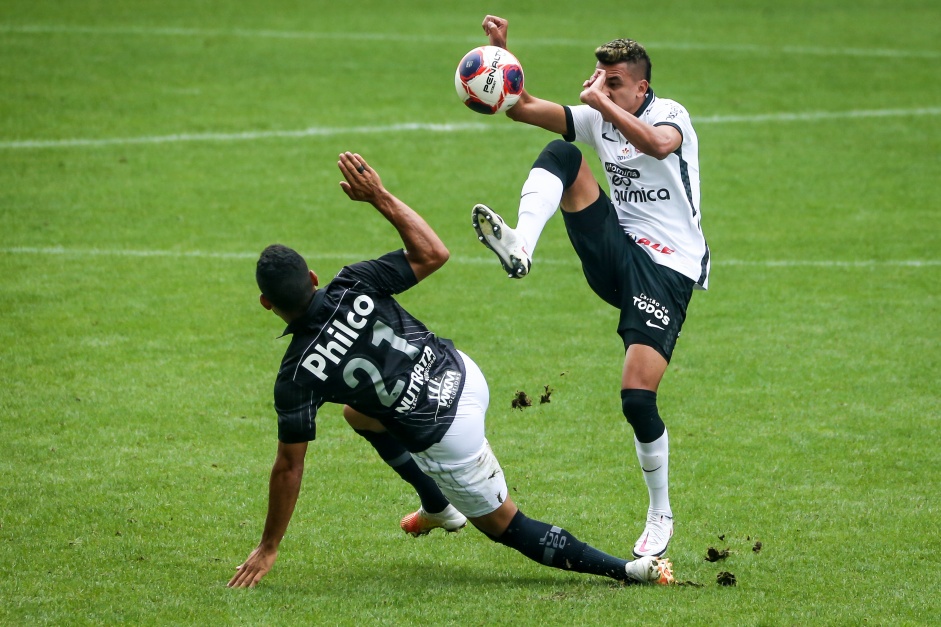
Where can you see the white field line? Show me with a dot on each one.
(459, 259)
(410, 127)
(40, 29)
(808, 263)
(815, 116)
(314, 131)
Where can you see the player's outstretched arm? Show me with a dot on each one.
(283, 488)
(528, 109)
(423, 248)
(538, 112)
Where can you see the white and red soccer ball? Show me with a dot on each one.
(489, 80)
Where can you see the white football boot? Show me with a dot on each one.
(656, 537)
(493, 232)
(421, 522)
(650, 569)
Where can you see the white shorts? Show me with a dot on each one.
(462, 463)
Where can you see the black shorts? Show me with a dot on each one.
(652, 298)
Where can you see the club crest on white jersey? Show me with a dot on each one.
(657, 201)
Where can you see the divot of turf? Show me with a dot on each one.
(521, 400)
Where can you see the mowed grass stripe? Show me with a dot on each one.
(411, 127)
(460, 259)
(170, 31)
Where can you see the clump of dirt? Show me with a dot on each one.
(714, 555)
(521, 400)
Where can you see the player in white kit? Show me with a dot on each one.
(642, 249)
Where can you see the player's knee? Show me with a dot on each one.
(519, 528)
(640, 409)
(562, 159)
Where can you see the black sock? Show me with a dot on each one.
(556, 547)
(397, 456)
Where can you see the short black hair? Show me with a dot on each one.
(283, 277)
(625, 51)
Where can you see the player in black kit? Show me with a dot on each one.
(353, 344)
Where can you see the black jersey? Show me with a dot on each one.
(357, 346)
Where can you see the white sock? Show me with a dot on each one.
(539, 200)
(654, 458)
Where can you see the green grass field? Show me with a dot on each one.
(149, 151)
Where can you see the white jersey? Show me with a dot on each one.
(657, 202)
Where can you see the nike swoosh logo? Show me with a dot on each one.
(655, 326)
(605, 137)
(654, 470)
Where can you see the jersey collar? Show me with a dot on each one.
(648, 98)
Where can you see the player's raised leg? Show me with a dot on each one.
(559, 177)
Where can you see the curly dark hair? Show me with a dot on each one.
(625, 51)
(283, 277)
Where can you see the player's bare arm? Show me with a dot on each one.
(423, 248)
(538, 112)
(616, 95)
(284, 486)
(528, 109)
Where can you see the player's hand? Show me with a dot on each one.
(257, 565)
(592, 89)
(495, 28)
(362, 182)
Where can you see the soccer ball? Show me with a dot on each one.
(489, 80)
